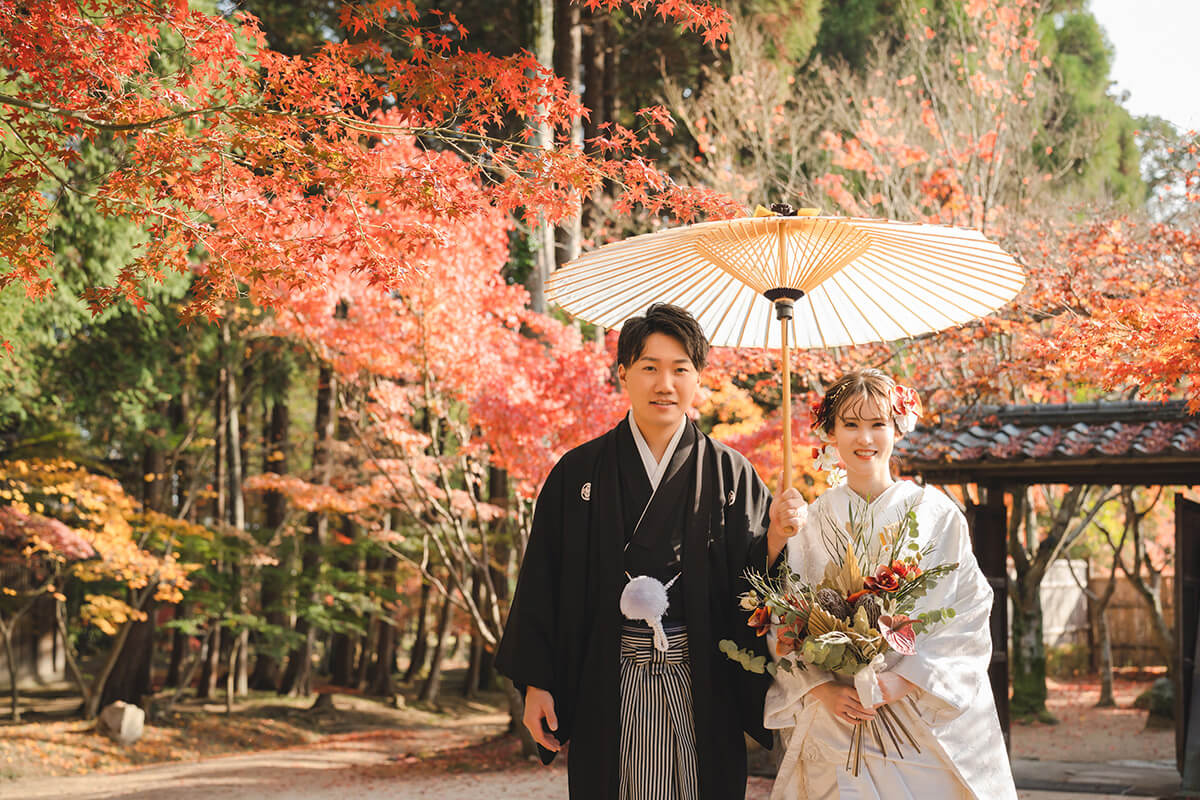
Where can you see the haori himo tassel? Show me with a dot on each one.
(645, 600)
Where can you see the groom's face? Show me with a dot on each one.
(661, 382)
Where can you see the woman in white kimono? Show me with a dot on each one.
(942, 694)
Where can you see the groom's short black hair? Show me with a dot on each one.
(662, 318)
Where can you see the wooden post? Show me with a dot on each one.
(1187, 642)
(988, 524)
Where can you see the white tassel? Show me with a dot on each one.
(645, 599)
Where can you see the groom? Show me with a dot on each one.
(655, 497)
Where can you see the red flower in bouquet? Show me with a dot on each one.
(898, 631)
(884, 580)
(760, 620)
(900, 568)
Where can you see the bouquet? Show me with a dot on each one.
(861, 609)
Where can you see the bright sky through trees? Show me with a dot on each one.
(1157, 61)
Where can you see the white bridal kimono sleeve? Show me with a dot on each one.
(953, 716)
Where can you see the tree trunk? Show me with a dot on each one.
(612, 66)
(237, 503)
(471, 685)
(593, 45)
(266, 665)
(382, 684)
(475, 661)
(179, 646)
(1031, 559)
(1028, 654)
(7, 630)
(235, 647)
(567, 56)
(341, 657)
(96, 692)
(1099, 610)
(220, 433)
(544, 255)
(380, 681)
(190, 675)
(298, 677)
(131, 675)
(498, 495)
(1151, 591)
(60, 618)
(212, 664)
(1107, 699)
(154, 466)
(367, 645)
(433, 681)
(416, 659)
(212, 660)
(177, 410)
(1149, 586)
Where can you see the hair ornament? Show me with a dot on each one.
(906, 406)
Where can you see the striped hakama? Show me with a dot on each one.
(658, 734)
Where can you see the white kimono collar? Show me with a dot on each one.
(655, 470)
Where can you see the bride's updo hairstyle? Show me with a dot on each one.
(850, 391)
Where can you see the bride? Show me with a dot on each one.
(941, 694)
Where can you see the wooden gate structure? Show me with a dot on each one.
(1006, 448)
(1187, 642)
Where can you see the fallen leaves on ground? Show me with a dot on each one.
(1087, 733)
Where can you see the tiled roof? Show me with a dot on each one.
(1123, 432)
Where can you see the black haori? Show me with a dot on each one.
(563, 631)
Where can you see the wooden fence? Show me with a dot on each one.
(1066, 620)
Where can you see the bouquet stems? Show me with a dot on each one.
(890, 723)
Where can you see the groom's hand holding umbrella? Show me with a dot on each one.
(789, 512)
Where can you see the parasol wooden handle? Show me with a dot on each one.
(784, 311)
(787, 409)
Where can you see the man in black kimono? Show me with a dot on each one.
(654, 496)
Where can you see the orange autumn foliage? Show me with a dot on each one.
(99, 512)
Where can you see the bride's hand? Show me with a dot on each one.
(893, 687)
(842, 702)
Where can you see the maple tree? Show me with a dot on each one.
(445, 383)
(40, 546)
(210, 124)
(1130, 289)
(83, 524)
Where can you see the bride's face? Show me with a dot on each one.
(864, 434)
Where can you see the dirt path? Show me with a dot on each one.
(448, 757)
(367, 767)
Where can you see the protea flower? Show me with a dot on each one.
(834, 603)
(871, 603)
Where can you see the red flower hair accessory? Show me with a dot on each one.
(814, 411)
(906, 407)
